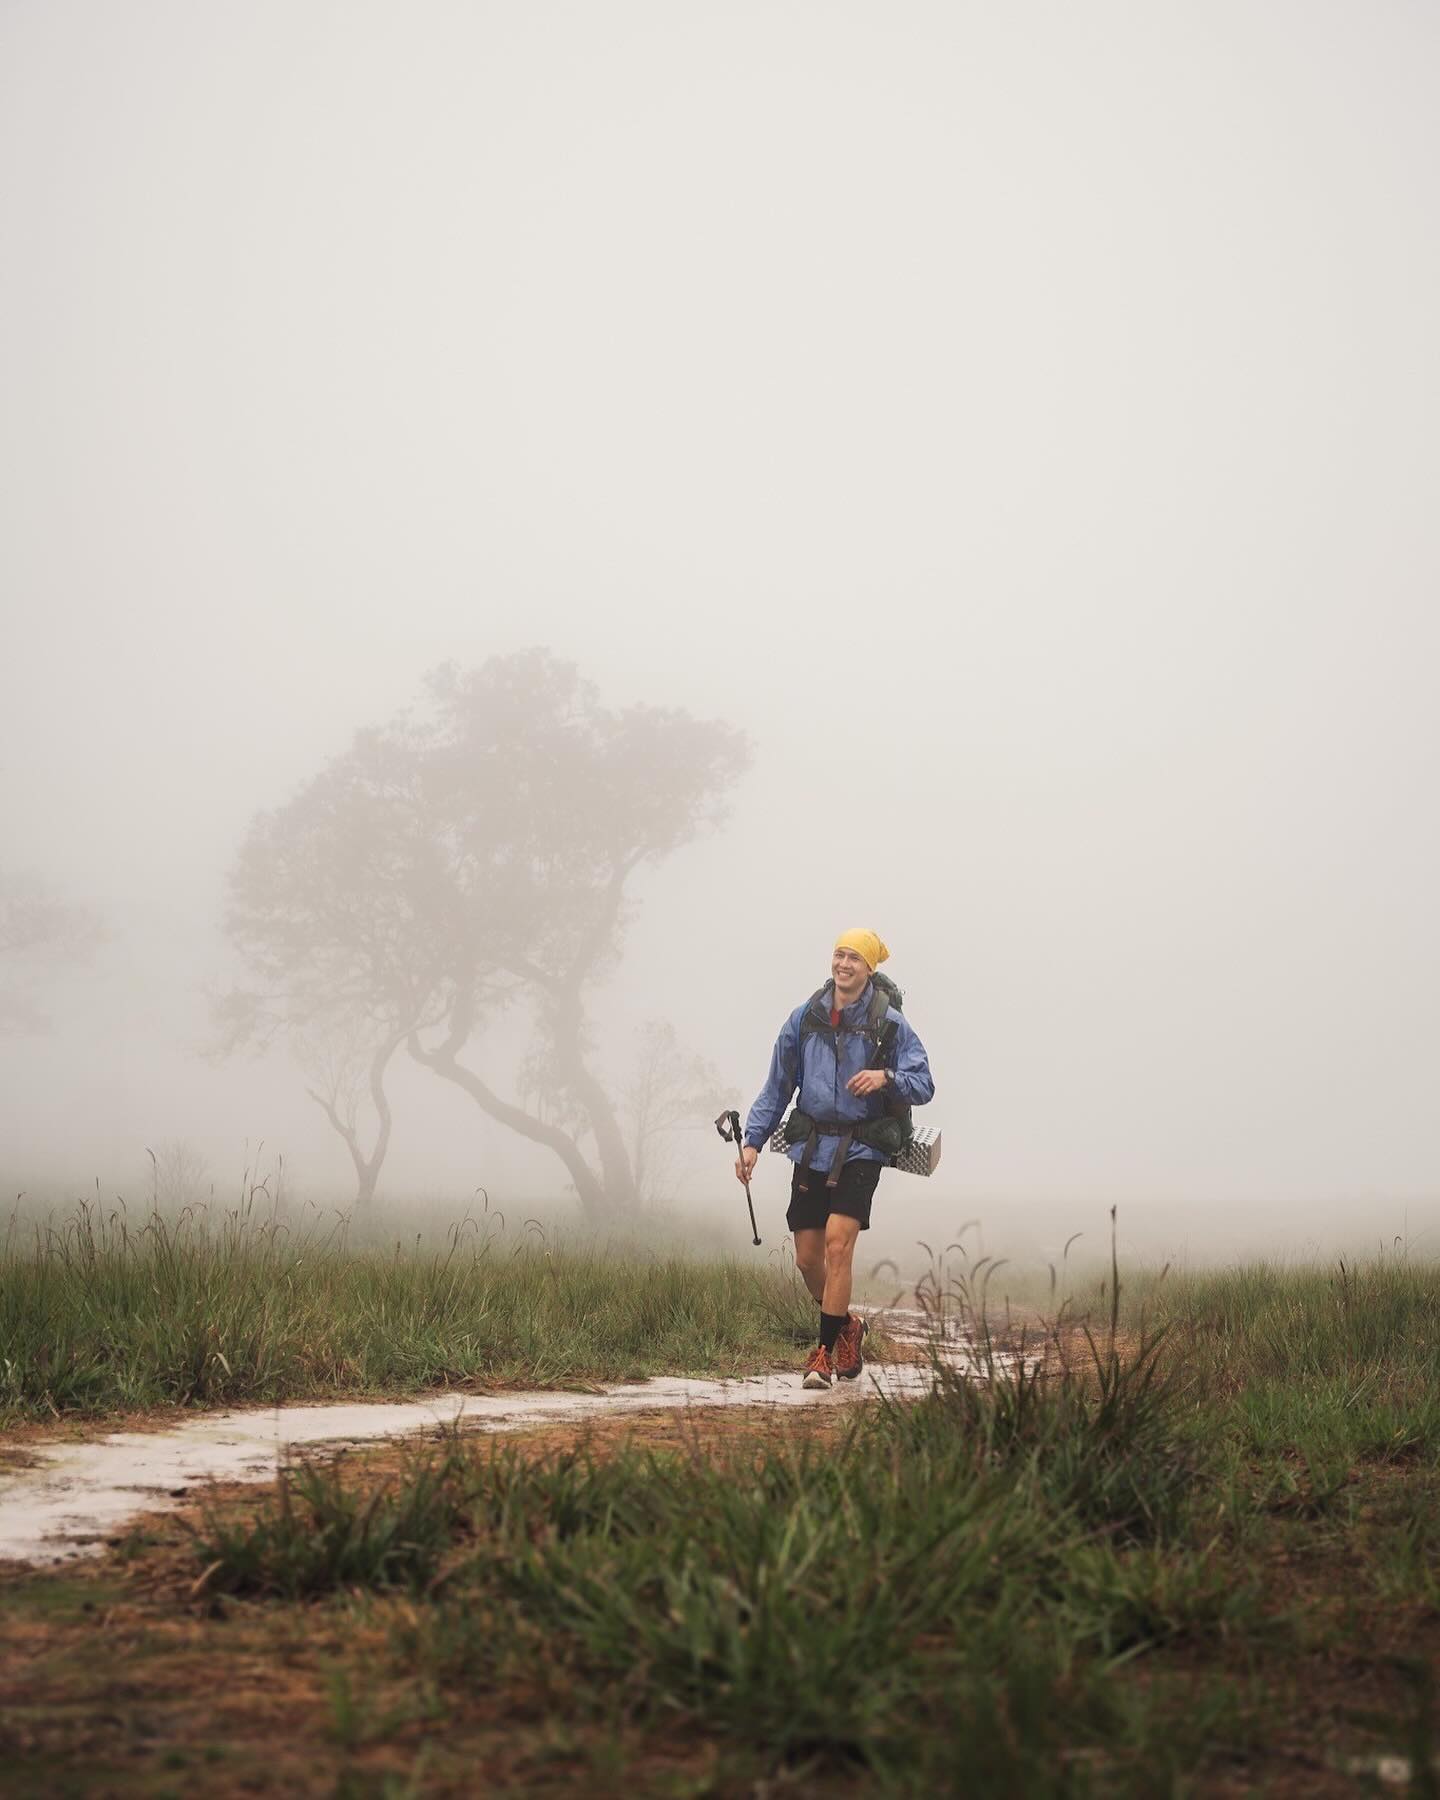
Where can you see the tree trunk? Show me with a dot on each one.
(370, 1173)
(443, 1061)
(367, 1167)
(615, 1167)
(566, 1016)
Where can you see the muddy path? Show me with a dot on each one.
(62, 1500)
(121, 1676)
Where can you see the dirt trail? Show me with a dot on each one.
(72, 1496)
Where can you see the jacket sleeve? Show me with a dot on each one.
(780, 1085)
(913, 1081)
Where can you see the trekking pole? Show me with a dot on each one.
(728, 1125)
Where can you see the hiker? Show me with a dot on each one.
(859, 1068)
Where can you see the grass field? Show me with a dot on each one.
(99, 1315)
(1197, 1552)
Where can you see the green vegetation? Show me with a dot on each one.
(856, 1607)
(1201, 1558)
(97, 1315)
(1190, 1546)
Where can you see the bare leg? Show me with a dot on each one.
(840, 1236)
(810, 1261)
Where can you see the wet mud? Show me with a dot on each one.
(69, 1498)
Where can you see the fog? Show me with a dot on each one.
(1020, 423)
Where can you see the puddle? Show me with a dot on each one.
(74, 1496)
(1390, 1770)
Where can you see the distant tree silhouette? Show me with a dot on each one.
(41, 935)
(179, 1175)
(346, 1065)
(475, 855)
(327, 909)
(669, 1088)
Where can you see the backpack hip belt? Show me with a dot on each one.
(884, 1135)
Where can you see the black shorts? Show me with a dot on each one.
(811, 1202)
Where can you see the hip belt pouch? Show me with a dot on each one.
(888, 1136)
(920, 1155)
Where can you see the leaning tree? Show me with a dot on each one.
(476, 854)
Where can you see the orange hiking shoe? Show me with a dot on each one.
(848, 1358)
(817, 1368)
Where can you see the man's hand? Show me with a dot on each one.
(746, 1162)
(868, 1081)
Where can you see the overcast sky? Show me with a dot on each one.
(1021, 420)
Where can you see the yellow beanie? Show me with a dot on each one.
(864, 943)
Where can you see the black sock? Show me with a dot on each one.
(831, 1325)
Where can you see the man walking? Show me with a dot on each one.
(856, 1062)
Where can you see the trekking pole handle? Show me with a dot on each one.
(728, 1125)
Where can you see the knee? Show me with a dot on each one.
(813, 1263)
(810, 1257)
(839, 1248)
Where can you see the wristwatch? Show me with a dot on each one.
(889, 1078)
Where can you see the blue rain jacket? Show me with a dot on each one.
(828, 1064)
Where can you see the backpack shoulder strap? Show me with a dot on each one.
(816, 1017)
(881, 1029)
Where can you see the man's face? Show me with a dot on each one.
(850, 969)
